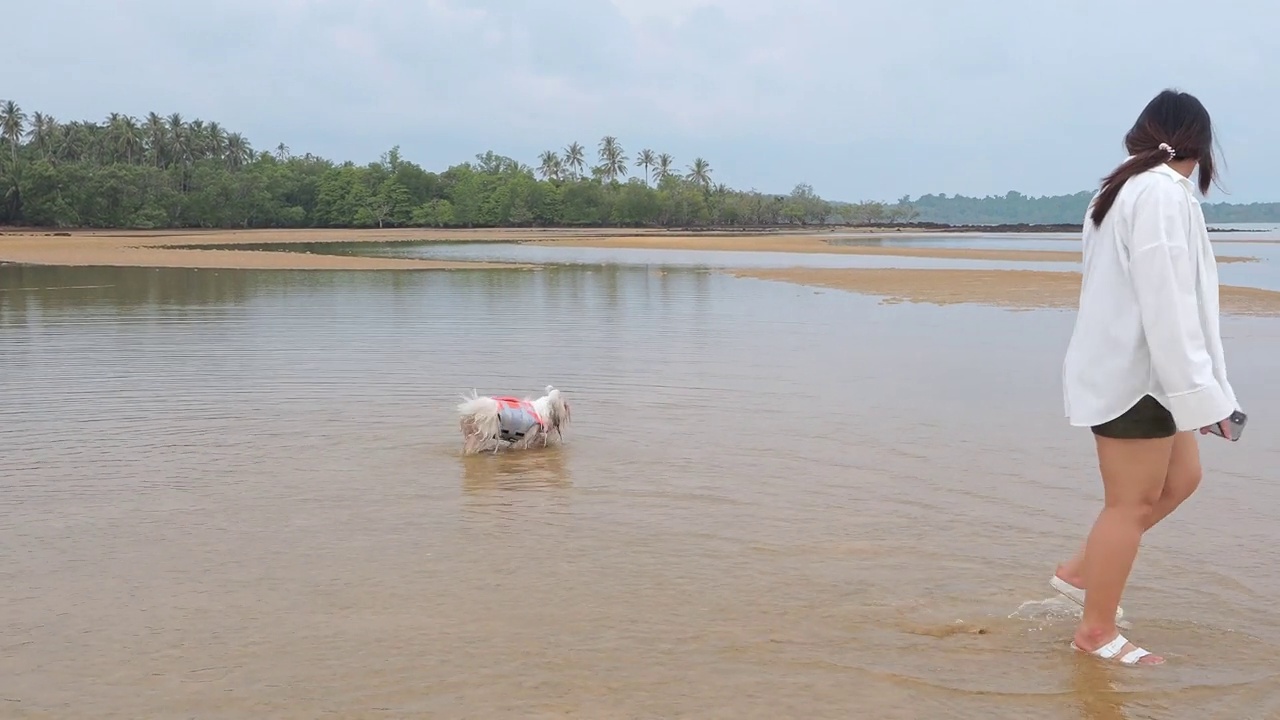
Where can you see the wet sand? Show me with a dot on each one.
(155, 248)
(312, 235)
(1016, 289)
(820, 243)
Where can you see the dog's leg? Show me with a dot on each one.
(474, 438)
(467, 444)
(531, 437)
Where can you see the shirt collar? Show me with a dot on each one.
(1164, 168)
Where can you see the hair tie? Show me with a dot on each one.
(1165, 147)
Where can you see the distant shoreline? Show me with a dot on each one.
(748, 230)
(261, 250)
(920, 227)
(899, 227)
(252, 249)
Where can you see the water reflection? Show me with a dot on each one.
(1094, 686)
(33, 292)
(530, 470)
(552, 254)
(1264, 274)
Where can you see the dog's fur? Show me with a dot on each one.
(481, 422)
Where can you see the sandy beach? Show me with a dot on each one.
(820, 243)
(1015, 289)
(156, 248)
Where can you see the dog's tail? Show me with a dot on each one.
(483, 412)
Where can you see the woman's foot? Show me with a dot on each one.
(1071, 585)
(1118, 648)
(1072, 571)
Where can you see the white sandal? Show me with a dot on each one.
(1075, 594)
(1113, 648)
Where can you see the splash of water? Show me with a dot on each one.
(1052, 610)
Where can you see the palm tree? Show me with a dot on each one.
(199, 139)
(13, 124)
(155, 138)
(129, 138)
(664, 164)
(613, 163)
(551, 166)
(76, 141)
(699, 173)
(216, 140)
(575, 159)
(282, 152)
(179, 139)
(646, 159)
(238, 151)
(42, 133)
(121, 138)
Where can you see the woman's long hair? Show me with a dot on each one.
(1177, 121)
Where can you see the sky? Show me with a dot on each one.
(862, 100)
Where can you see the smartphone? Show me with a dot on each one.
(1235, 424)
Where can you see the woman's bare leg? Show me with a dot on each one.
(1133, 477)
(1180, 482)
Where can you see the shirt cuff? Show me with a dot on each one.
(1200, 408)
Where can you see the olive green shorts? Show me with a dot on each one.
(1146, 420)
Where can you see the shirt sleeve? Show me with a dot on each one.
(1164, 281)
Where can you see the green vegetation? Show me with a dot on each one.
(1014, 208)
(165, 172)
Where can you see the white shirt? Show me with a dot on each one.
(1148, 318)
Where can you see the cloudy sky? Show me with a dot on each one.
(863, 100)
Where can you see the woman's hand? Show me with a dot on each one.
(1223, 425)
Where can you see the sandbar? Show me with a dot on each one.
(156, 249)
(1013, 289)
(817, 243)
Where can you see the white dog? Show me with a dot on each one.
(511, 422)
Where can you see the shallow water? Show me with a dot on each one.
(640, 257)
(238, 494)
(1224, 245)
(1264, 274)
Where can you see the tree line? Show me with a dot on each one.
(170, 172)
(1016, 208)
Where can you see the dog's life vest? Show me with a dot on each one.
(516, 418)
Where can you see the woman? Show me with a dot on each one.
(1145, 366)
